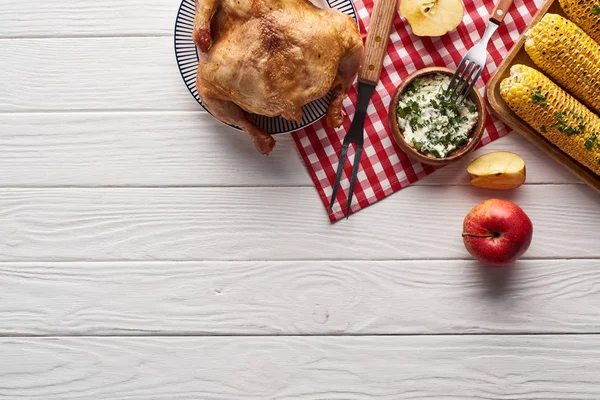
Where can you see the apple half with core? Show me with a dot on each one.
(432, 17)
(497, 232)
(499, 170)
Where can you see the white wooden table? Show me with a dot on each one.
(148, 252)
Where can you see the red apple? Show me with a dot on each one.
(497, 232)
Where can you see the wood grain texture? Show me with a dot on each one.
(298, 298)
(274, 224)
(389, 368)
(500, 11)
(180, 149)
(378, 34)
(139, 149)
(39, 18)
(92, 74)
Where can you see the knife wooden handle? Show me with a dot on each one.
(500, 11)
(378, 35)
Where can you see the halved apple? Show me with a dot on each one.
(500, 170)
(432, 17)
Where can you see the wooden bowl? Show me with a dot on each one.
(457, 154)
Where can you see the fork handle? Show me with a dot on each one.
(378, 36)
(500, 11)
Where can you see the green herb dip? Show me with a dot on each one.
(434, 125)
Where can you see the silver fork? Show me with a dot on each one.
(470, 68)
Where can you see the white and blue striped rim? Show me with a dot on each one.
(187, 61)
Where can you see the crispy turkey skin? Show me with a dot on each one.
(271, 57)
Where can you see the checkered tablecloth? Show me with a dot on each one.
(384, 168)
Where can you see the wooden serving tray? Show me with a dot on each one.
(517, 55)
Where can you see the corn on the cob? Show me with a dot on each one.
(554, 113)
(568, 55)
(586, 14)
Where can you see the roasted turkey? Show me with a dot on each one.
(271, 57)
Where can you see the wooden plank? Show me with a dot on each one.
(179, 149)
(39, 18)
(333, 368)
(298, 298)
(139, 149)
(275, 224)
(91, 74)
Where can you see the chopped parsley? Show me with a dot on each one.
(563, 126)
(596, 9)
(411, 107)
(539, 98)
(411, 88)
(435, 153)
(543, 129)
(591, 141)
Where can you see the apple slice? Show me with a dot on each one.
(432, 17)
(500, 170)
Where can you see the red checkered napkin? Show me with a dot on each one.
(384, 168)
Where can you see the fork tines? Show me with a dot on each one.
(463, 81)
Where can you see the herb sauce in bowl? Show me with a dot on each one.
(433, 125)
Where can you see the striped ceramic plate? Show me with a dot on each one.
(187, 59)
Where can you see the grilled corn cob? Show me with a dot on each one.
(568, 55)
(554, 113)
(586, 14)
